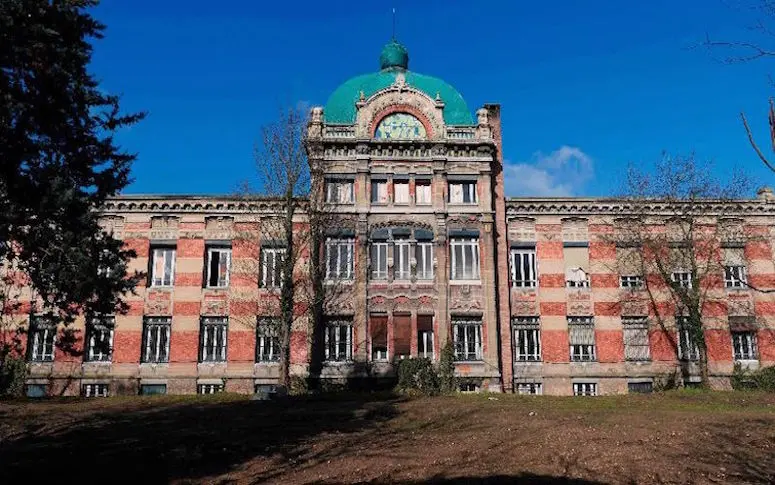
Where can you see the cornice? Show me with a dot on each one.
(196, 204)
(525, 206)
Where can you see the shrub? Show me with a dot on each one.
(447, 381)
(13, 372)
(417, 376)
(762, 379)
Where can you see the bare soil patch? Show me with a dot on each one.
(681, 437)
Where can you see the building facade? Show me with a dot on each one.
(426, 251)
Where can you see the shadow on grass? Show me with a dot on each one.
(191, 439)
(520, 479)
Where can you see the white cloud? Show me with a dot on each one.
(559, 174)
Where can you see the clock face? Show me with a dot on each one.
(400, 126)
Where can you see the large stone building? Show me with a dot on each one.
(427, 250)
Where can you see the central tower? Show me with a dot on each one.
(412, 260)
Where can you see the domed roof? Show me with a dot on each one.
(394, 60)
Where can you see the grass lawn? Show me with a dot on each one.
(677, 437)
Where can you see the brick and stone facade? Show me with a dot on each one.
(424, 253)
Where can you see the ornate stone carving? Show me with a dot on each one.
(164, 227)
(408, 99)
(219, 227)
(113, 225)
(158, 303)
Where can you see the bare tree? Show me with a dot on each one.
(680, 237)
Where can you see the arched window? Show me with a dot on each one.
(400, 126)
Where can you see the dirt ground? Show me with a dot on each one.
(682, 437)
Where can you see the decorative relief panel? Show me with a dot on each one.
(215, 303)
(522, 229)
(634, 307)
(113, 225)
(219, 227)
(580, 308)
(465, 298)
(524, 308)
(158, 303)
(164, 227)
(575, 229)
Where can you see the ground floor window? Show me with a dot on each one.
(36, 390)
(744, 346)
(209, 388)
(584, 389)
(339, 340)
(527, 339)
(267, 342)
(425, 336)
(379, 348)
(95, 390)
(528, 388)
(687, 345)
(640, 387)
(153, 389)
(467, 338)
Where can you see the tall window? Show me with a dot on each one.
(267, 343)
(744, 345)
(379, 347)
(339, 340)
(462, 192)
(339, 259)
(683, 278)
(423, 190)
(425, 336)
(156, 339)
(523, 268)
(379, 260)
(42, 335)
(218, 266)
(467, 338)
(379, 192)
(584, 389)
(99, 339)
(465, 258)
(162, 266)
(401, 191)
(213, 339)
(424, 257)
(582, 339)
(636, 338)
(401, 259)
(527, 339)
(272, 267)
(339, 191)
(687, 347)
(735, 277)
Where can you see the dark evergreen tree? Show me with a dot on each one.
(58, 158)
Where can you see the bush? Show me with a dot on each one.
(13, 372)
(417, 376)
(761, 379)
(447, 381)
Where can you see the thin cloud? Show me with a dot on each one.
(561, 173)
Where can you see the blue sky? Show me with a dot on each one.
(585, 87)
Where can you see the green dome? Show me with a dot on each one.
(394, 60)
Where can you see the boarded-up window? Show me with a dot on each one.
(378, 326)
(576, 258)
(402, 335)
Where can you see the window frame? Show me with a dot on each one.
(338, 243)
(207, 389)
(220, 283)
(408, 199)
(156, 281)
(376, 185)
(460, 328)
(529, 388)
(423, 183)
(631, 281)
(423, 255)
(272, 280)
(527, 339)
(685, 352)
(95, 390)
(587, 389)
(631, 325)
(267, 337)
(215, 350)
(336, 194)
(531, 279)
(47, 352)
(747, 350)
(582, 352)
(474, 274)
(467, 188)
(402, 259)
(733, 280)
(343, 352)
(158, 324)
(99, 325)
(682, 278)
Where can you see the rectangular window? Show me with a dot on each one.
(162, 266)
(212, 347)
(646, 387)
(339, 191)
(636, 338)
(584, 389)
(339, 340)
(423, 190)
(401, 260)
(576, 258)
(156, 338)
(153, 389)
(528, 388)
(218, 266)
(209, 388)
(631, 281)
(425, 336)
(683, 278)
(379, 348)
(687, 346)
(402, 336)
(272, 267)
(267, 342)
(99, 339)
(41, 339)
(524, 273)
(467, 338)
(339, 259)
(95, 390)
(379, 260)
(465, 258)
(379, 192)
(527, 339)
(36, 390)
(401, 191)
(424, 256)
(744, 346)
(735, 277)
(462, 192)
(582, 339)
